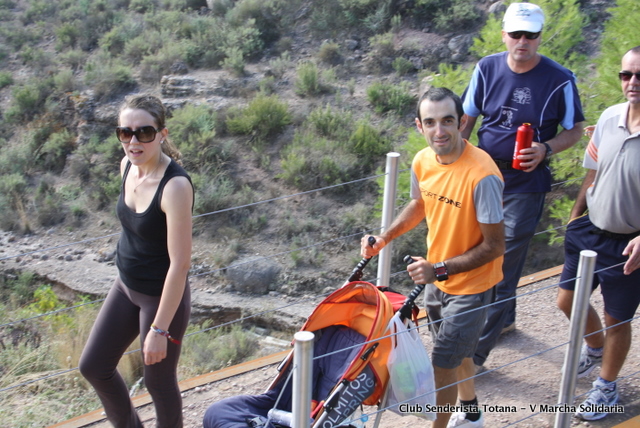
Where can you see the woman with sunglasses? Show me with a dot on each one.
(150, 296)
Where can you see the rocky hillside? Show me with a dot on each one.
(301, 241)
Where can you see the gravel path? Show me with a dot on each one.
(523, 373)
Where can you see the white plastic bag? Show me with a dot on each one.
(411, 382)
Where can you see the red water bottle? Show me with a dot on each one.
(524, 137)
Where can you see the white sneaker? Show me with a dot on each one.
(601, 397)
(458, 420)
(587, 362)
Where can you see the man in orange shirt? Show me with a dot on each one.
(457, 188)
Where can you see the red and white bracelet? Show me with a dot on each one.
(164, 333)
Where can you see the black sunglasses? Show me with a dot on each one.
(625, 76)
(145, 134)
(518, 35)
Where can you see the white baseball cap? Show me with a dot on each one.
(523, 17)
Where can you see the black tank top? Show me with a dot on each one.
(142, 256)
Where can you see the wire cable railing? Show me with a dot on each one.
(283, 253)
(266, 312)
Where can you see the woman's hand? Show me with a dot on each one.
(155, 348)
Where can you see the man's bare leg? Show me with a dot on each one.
(444, 377)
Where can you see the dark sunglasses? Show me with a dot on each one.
(518, 35)
(625, 76)
(145, 134)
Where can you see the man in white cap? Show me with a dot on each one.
(508, 89)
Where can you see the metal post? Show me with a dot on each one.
(302, 373)
(388, 214)
(584, 282)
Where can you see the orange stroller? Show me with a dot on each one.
(351, 349)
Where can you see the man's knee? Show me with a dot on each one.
(444, 377)
(614, 325)
(565, 300)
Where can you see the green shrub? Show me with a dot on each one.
(49, 207)
(310, 162)
(131, 29)
(13, 191)
(382, 50)
(218, 348)
(6, 79)
(28, 100)
(284, 44)
(368, 144)
(16, 158)
(216, 190)
(385, 97)
(265, 115)
(153, 67)
(48, 344)
(67, 35)
(326, 18)
(52, 155)
(172, 21)
(267, 85)
(263, 14)
(193, 129)
(221, 7)
(7, 4)
(330, 123)
(378, 17)
(101, 150)
(137, 48)
(142, 6)
(74, 59)
(36, 58)
(461, 14)
(69, 192)
(64, 81)
(449, 76)
(246, 38)
(234, 62)
(16, 36)
(382, 45)
(211, 37)
(106, 189)
(329, 53)
(182, 5)
(18, 291)
(38, 10)
(109, 78)
(402, 66)
(280, 65)
(308, 79)
(330, 17)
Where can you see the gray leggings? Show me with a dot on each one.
(124, 315)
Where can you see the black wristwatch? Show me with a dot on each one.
(547, 156)
(440, 269)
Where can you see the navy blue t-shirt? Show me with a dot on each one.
(546, 97)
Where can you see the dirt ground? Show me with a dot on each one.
(523, 372)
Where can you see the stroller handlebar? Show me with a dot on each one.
(406, 309)
(356, 274)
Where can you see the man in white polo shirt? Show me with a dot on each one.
(611, 194)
